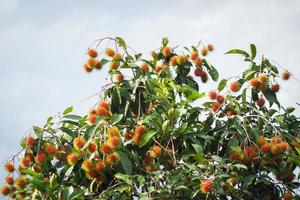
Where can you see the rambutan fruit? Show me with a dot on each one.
(114, 65)
(155, 152)
(9, 167)
(50, 149)
(220, 99)
(78, 143)
(113, 132)
(99, 166)
(30, 140)
(91, 63)
(128, 135)
(92, 147)
(198, 71)
(173, 61)
(92, 117)
(109, 52)
(145, 67)
(106, 149)
(261, 140)
(260, 101)
(147, 158)
(9, 180)
(37, 168)
(87, 68)
(136, 137)
(276, 87)
(25, 162)
(5, 190)
(285, 75)
(210, 47)
(91, 174)
(194, 55)
(87, 165)
(234, 156)
(101, 111)
(198, 62)
(206, 186)
(263, 77)
(276, 148)
(21, 182)
(215, 107)
(92, 53)
(104, 104)
(72, 158)
(158, 68)
(119, 77)
(98, 64)
(234, 86)
(166, 51)
(212, 95)
(40, 158)
(114, 142)
(140, 129)
(204, 51)
(230, 113)
(117, 56)
(254, 83)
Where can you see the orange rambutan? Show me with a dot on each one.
(215, 107)
(50, 149)
(194, 55)
(109, 52)
(72, 158)
(285, 75)
(106, 149)
(173, 61)
(114, 142)
(113, 132)
(87, 165)
(99, 166)
(114, 65)
(234, 86)
(92, 147)
(145, 67)
(198, 71)
(87, 68)
(9, 167)
(210, 47)
(128, 135)
(198, 62)
(288, 196)
(30, 140)
(78, 143)
(98, 64)
(212, 95)
(261, 140)
(40, 158)
(5, 190)
(204, 51)
(276, 87)
(220, 99)
(9, 180)
(260, 101)
(206, 186)
(92, 53)
(158, 68)
(166, 51)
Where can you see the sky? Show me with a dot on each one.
(42, 44)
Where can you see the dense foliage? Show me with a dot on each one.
(155, 135)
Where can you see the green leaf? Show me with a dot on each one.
(238, 51)
(68, 110)
(211, 70)
(73, 117)
(165, 41)
(116, 118)
(126, 163)
(244, 99)
(271, 96)
(290, 109)
(253, 51)
(38, 184)
(222, 84)
(124, 177)
(121, 42)
(198, 148)
(32, 173)
(38, 131)
(104, 61)
(146, 137)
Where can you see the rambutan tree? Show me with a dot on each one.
(154, 133)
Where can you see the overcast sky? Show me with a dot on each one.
(42, 45)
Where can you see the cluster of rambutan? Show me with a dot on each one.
(172, 59)
(220, 99)
(153, 153)
(111, 157)
(93, 63)
(103, 109)
(245, 154)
